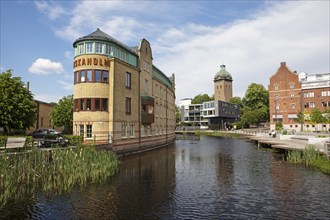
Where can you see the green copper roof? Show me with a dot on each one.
(223, 74)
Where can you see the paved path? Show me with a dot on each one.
(298, 142)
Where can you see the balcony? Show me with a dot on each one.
(147, 113)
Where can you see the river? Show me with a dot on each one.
(195, 178)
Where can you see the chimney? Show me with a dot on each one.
(283, 63)
(28, 86)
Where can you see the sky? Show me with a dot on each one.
(188, 38)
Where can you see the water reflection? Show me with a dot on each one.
(196, 178)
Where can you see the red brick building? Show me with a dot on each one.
(290, 93)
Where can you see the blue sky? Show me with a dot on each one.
(189, 38)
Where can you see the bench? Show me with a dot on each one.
(13, 143)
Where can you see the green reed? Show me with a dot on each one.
(309, 157)
(54, 172)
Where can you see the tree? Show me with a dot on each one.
(17, 107)
(62, 113)
(177, 114)
(198, 99)
(316, 117)
(257, 99)
(236, 100)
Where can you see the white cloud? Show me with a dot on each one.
(65, 85)
(251, 47)
(47, 98)
(53, 11)
(45, 66)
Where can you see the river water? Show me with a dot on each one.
(195, 178)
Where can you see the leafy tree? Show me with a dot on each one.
(62, 113)
(17, 108)
(198, 99)
(257, 99)
(236, 100)
(316, 117)
(177, 114)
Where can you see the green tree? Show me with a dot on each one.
(17, 107)
(257, 99)
(177, 114)
(62, 113)
(198, 99)
(316, 117)
(236, 100)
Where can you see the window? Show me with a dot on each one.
(324, 104)
(312, 104)
(104, 104)
(97, 105)
(105, 76)
(89, 131)
(98, 48)
(291, 85)
(325, 93)
(89, 76)
(108, 49)
(306, 105)
(81, 48)
(82, 76)
(146, 88)
(81, 130)
(123, 129)
(82, 104)
(76, 103)
(277, 106)
(128, 80)
(131, 130)
(276, 97)
(308, 94)
(292, 106)
(77, 77)
(275, 87)
(98, 75)
(292, 95)
(89, 47)
(88, 104)
(128, 105)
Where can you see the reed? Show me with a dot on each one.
(309, 157)
(54, 172)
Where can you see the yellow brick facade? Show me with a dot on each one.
(120, 98)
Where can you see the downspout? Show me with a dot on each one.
(166, 115)
(139, 106)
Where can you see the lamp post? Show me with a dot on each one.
(301, 112)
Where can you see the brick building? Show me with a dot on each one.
(120, 97)
(290, 93)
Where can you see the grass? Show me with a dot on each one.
(218, 134)
(309, 157)
(54, 172)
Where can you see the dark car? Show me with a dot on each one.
(44, 133)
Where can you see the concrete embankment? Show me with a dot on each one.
(290, 142)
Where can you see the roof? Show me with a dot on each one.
(100, 35)
(223, 74)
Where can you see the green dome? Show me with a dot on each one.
(223, 74)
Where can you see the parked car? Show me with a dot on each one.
(44, 133)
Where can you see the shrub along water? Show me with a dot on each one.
(309, 157)
(54, 171)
